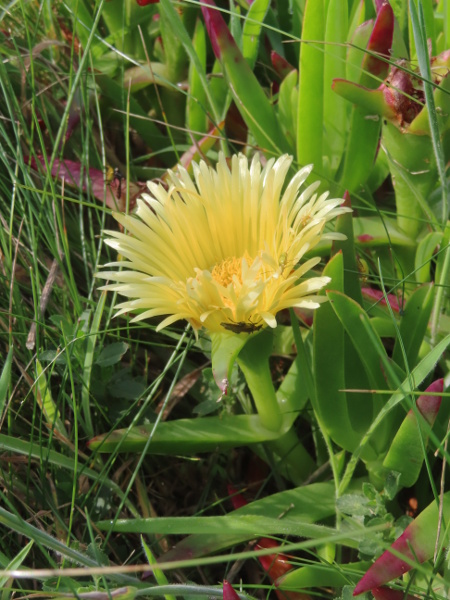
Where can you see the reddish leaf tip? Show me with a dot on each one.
(228, 591)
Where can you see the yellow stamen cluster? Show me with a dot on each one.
(230, 270)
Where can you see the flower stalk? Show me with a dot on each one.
(253, 361)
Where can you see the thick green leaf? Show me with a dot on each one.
(253, 360)
(330, 402)
(252, 30)
(196, 105)
(310, 96)
(413, 326)
(406, 453)
(322, 575)
(418, 374)
(351, 315)
(187, 436)
(287, 107)
(414, 173)
(344, 225)
(307, 505)
(424, 255)
(335, 109)
(244, 526)
(365, 126)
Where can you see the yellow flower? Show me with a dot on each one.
(223, 252)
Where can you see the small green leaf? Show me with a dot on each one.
(111, 354)
(16, 562)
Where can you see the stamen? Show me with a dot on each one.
(224, 272)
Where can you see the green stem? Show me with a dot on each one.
(254, 363)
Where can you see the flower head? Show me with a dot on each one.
(222, 252)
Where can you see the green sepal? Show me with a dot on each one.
(224, 350)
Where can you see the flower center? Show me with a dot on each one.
(224, 271)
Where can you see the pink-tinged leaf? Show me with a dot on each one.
(228, 591)
(219, 34)
(384, 593)
(281, 65)
(428, 405)
(378, 296)
(110, 189)
(145, 2)
(380, 43)
(365, 238)
(416, 544)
